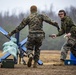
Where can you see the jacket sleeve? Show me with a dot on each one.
(61, 32)
(21, 26)
(48, 20)
(68, 23)
(73, 31)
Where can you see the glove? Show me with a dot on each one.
(56, 24)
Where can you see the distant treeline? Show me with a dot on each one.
(9, 22)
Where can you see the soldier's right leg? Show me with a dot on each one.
(67, 46)
(29, 52)
(64, 50)
(37, 51)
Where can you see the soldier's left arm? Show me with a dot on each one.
(48, 20)
(69, 22)
(20, 27)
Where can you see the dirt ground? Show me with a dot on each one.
(48, 58)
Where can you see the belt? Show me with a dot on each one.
(36, 32)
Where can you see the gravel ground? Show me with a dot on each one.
(41, 70)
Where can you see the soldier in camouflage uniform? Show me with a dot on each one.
(36, 33)
(68, 28)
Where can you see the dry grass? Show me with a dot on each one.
(51, 56)
(48, 57)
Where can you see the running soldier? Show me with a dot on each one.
(36, 33)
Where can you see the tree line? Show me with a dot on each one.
(9, 22)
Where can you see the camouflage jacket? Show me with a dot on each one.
(73, 32)
(66, 25)
(34, 22)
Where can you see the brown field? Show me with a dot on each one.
(48, 58)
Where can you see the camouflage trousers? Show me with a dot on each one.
(66, 47)
(33, 43)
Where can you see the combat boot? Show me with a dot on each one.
(60, 63)
(30, 60)
(35, 65)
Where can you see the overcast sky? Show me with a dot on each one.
(24, 5)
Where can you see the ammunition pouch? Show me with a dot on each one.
(71, 41)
